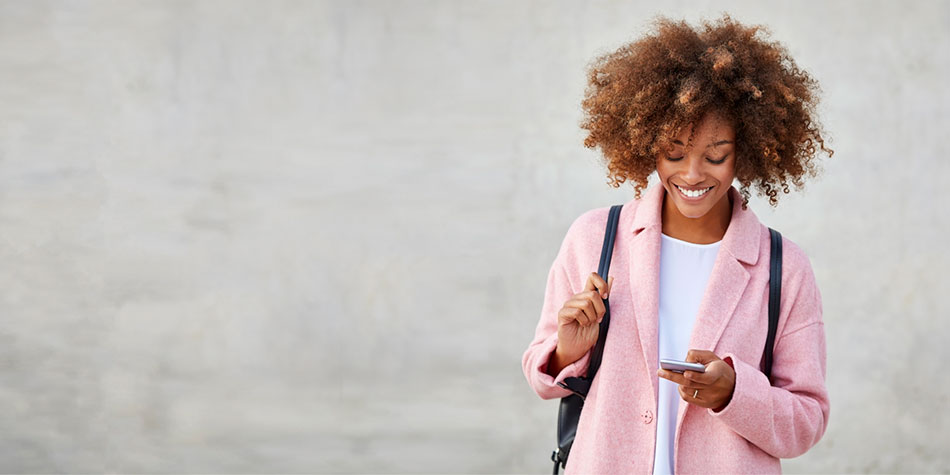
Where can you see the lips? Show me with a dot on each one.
(693, 194)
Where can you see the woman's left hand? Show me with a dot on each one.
(713, 389)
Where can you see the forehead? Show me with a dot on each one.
(710, 129)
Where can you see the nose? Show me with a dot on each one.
(693, 175)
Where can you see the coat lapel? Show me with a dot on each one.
(729, 277)
(644, 268)
(727, 282)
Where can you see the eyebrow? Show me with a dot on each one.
(721, 142)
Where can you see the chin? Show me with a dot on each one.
(698, 210)
(693, 214)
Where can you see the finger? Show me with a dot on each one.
(716, 371)
(701, 378)
(583, 312)
(586, 313)
(590, 284)
(686, 394)
(598, 304)
(695, 387)
(672, 376)
(595, 282)
(593, 307)
(701, 356)
(569, 313)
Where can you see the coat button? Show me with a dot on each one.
(647, 416)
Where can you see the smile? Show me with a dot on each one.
(693, 193)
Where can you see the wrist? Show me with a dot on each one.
(561, 359)
(557, 362)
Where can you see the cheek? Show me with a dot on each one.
(726, 175)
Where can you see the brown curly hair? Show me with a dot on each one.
(642, 94)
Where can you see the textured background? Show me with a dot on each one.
(313, 236)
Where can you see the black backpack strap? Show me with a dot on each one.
(775, 297)
(580, 385)
(606, 252)
(570, 408)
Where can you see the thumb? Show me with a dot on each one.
(610, 284)
(701, 356)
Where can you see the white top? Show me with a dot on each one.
(684, 270)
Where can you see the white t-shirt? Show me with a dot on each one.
(684, 270)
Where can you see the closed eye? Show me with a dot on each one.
(715, 162)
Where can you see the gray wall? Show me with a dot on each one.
(313, 236)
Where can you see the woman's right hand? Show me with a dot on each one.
(578, 321)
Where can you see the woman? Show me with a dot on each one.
(703, 108)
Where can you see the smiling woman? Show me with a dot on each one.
(690, 267)
(641, 97)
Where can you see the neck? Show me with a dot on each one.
(705, 229)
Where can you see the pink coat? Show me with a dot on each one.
(762, 423)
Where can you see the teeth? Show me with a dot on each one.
(693, 194)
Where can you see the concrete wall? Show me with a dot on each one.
(242, 236)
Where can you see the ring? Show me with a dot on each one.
(695, 393)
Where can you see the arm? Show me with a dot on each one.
(538, 361)
(786, 419)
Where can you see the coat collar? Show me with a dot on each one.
(742, 236)
(726, 284)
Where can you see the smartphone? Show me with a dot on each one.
(677, 366)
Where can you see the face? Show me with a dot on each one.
(698, 180)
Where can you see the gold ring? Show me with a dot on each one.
(695, 393)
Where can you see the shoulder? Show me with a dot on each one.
(593, 222)
(801, 298)
(582, 243)
(796, 265)
(585, 236)
(587, 223)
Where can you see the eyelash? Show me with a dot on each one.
(715, 162)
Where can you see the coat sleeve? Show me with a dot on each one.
(535, 360)
(786, 419)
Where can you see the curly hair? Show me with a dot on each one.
(641, 95)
